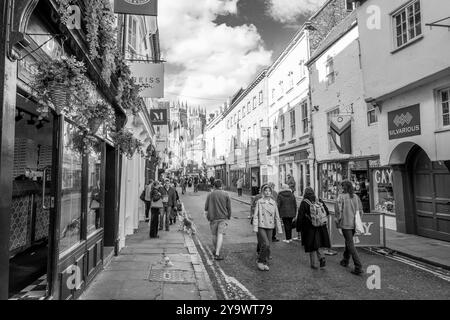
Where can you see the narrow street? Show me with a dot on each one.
(290, 277)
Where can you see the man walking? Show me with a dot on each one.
(218, 212)
(291, 182)
(169, 199)
(239, 185)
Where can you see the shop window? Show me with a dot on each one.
(94, 197)
(132, 33)
(70, 226)
(331, 176)
(371, 115)
(407, 24)
(444, 102)
(383, 192)
(292, 116)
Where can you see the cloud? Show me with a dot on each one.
(287, 11)
(207, 60)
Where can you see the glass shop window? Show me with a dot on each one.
(383, 192)
(70, 226)
(332, 175)
(94, 197)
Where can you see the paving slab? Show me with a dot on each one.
(180, 292)
(140, 290)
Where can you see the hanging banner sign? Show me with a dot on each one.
(340, 126)
(159, 117)
(150, 76)
(136, 7)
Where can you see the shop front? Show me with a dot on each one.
(60, 199)
(357, 170)
(299, 167)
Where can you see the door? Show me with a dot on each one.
(32, 223)
(432, 197)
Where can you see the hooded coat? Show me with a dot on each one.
(287, 204)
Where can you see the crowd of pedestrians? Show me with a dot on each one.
(270, 212)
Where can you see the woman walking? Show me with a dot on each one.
(287, 207)
(348, 204)
(265, 220)
(156, 209)
(314, 235)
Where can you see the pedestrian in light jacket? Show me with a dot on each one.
(265, 220)
(287, 206)
(348, 203)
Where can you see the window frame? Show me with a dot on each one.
(404, 10)
(282, 127)
(441, 107)
(371, 111)
(305, 116)
(254, 102)
(261, 97)
(293, 123)
(331, 74)
(331, 146)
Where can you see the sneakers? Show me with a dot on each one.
(295, 239)
(263, 267)
(275, 240)
(286, 241)
(344, 263)
(357, 272)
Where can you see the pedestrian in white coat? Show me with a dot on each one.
(265, 220)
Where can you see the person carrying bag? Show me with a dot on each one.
(348, 212)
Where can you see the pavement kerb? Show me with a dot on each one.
(240, 200)
(203, 281)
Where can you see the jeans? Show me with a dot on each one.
(183, 189)
(147, 210)
(288, 227)
(240, 192)
(154, 222)
(264, 236)
(164, 219)
(312, 257)
(350, 249)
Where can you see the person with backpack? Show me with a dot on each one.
(312, 220)
(156, 208)
(348, 205)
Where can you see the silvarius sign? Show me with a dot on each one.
(136, 7)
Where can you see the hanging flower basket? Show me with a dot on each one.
(94, 125)
(58, 95)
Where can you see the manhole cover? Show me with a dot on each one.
(174, 276)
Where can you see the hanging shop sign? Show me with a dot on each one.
(159, 117)
(150, 76)
(341, 133)
(136, 7)
(404, 122)
(372, 236)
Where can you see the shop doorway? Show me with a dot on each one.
(31, 225)
(431, 184)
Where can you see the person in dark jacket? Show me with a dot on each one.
(169, 199)
(313, 238)
(287, 207)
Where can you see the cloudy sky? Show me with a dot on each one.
(215, 47)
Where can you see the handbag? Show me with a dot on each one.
(359, 227)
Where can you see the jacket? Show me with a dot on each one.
(345, 211)
(313, 238)
(159, 203)
(266, 216)
(257, 197)
(287, 204)
(218, 206)
(170, 195)
(239, 184)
